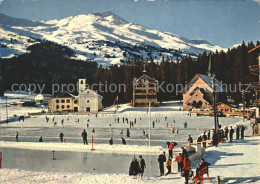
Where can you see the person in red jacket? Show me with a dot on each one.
(179, 160)
(186, 168)
(171, 146)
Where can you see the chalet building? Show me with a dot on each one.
(144, 91)
(87, 101)
(222, 107)
(42, 98)
(198, 93)
(255, 70)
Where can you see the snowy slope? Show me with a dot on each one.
(103, 37)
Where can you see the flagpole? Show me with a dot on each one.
(149, 124)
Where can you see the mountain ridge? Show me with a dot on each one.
(104, 37)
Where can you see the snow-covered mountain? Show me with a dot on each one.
(102, 37)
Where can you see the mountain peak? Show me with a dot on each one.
(110, 16)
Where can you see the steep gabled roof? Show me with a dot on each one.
(255, 49)
(208, 80)
(143, 76)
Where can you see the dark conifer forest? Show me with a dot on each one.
(48, 63)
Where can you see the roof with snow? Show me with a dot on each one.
(145, 76)
(208, 80)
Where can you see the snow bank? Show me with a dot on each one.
(14, 175)
(116, 148)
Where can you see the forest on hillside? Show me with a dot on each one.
(50, 63)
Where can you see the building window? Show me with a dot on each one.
(151, 91)
(62, 106)
(57, 101)
(75, 101)
(87, 101)
(68, 100)
(62, 101)
(68, 106)
(57, 106)
(81, 82)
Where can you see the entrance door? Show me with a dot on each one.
(76, 109)
(87, 109)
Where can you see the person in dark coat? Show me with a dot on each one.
(134, 167)
(84, 135)
(209, 135)
(190, 140)
(204, 138)
(215, 138)
(199, 139)
(61, 137)
(237, 132)
(231, 132)
(242, 131)
(40, 140)
(16, 137)
(161, 160)
(111, 141)
(184, 152)
(226, 133)
(123, 141)
(142, 165)
(127, 133)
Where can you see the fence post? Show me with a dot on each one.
(92, 141)
(0, 160)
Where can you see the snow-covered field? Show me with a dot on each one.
(235, 162)
(29, 161)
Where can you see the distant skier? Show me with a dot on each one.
(161, 160)
(231, 132)
(242, 131)
(61, 136)
(237, 132)
(142, 165)
(16, 137)
(84, 135)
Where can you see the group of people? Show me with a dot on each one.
(137, 166)
(240, 130)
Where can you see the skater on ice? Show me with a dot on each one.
(61, 136)
(185, 124)
(237, 132)
(16, 137)
(186, 168)
(123, 141)
(84, 135)
(179, 159)
(190, 140)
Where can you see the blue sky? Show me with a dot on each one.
(221, 22)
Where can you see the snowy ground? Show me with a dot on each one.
(235, 162)
(29, 161)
